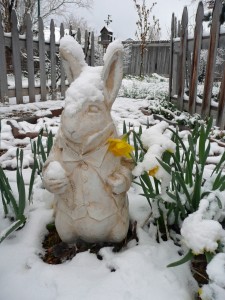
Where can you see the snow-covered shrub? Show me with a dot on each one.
(144, 87)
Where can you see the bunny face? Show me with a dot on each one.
(91, 119)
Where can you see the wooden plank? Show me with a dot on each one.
(3, 72)
(132, 60)
(156, 61)
(188, 69)
(78, 36)
(211, 59)
(149, 60)
(182, 58)
(196, 58)
(138, 61)
(53, 59)
(62, 71)
(86, 45)
(144, 62)
(167, 61)
(173, 32)
(220, 120)
(70, 30)
(92, 55)
(16, 59)
(174, 20)
(179, 29)
(41, 47)
(30, 58)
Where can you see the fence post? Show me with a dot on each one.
(41, 45)
(182, 58)
(86, 45)
(30, 58)
(16, 59)
(211, 59)
(220, 121)
(196, 58)
(53, 59)
(78, 36)
(3, 72)
(63, 86)
(173, 22)
(92, 63)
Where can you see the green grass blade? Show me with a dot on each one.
(165, 166)
(32, 178)
(196, 196)
(4, 202)
(209, 256)
(16, 225)
(124, 127)
(218, 166)
(49, 142)
(184, 259)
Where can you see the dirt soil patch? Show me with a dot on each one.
(57, 252)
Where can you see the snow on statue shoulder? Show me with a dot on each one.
(89, 181)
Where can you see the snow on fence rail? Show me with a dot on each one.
(185, 63)
(31, 66)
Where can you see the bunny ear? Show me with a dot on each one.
(72, 57)
(112, 73)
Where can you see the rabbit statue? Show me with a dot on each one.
(88, 180)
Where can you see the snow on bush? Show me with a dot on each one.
(156, 141)
(200, 234)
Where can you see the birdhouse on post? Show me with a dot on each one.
(106, 35)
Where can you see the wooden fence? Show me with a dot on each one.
(31, 66)
(156, 58)
(185, 62)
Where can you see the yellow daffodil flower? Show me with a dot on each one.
(200, 292)
(119, 147)
(153, 171)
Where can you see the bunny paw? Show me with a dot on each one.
(117, 182)
(55, 179)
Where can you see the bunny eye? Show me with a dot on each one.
(93, 109)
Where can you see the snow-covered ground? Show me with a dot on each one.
(139, 271)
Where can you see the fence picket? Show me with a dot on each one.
(220, 121)
(41, 48)
(182, 58)
(214, 36)
(78, 36)
(16, 58)
(53, 59)
(196, 58)
(92, 55)
(86, 45)
(3, 72)
(173, 34)
(30, 58)
(62, 71)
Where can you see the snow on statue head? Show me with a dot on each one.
(88, 180)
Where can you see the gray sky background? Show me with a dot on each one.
(124, 15)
